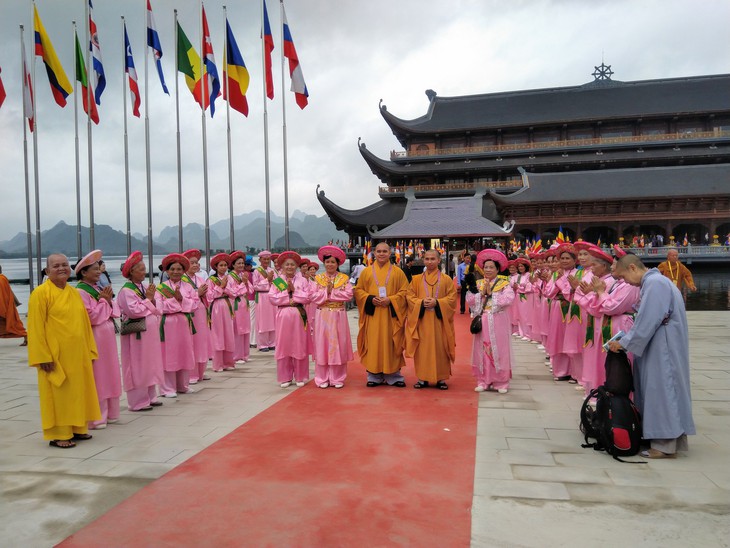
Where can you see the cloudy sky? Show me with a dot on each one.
(353, 53)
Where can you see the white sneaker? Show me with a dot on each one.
(479, 389)
(189, 391)
(323, 385)
(534, 342)
(502, 390)
(339, 386)
(193, 381)
(98, 427)
(170, 395)
(300, 384)
(525, 338)
(285, 384)
(112, 421)
(540, 347)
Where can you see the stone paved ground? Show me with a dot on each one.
(534, 485)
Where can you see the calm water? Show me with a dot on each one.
(18, 269)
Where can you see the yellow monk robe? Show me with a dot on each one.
(59, 331)
(380, 341)
(430, 340)
(10, 323)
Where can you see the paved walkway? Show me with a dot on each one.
(534, 485)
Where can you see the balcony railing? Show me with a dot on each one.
(511, 183)
(550, 145)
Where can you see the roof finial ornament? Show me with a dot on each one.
(603, 71)
(431, 94)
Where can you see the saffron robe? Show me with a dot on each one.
(11, 326)
(430, 340)
(659, 340)
(59, 332)
(381, 337)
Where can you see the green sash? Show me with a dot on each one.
(89, 289)
(280, 284)
(574, 308)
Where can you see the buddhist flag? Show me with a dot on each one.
(81, 78)
(560, 238)
(60, 86)
(97, 66)
(28, 106)
(295, 68)
(153, 41)
(235, 74)
(268, 48)
(212, 82)
(2, 91)
(131, 74)
(188, 62)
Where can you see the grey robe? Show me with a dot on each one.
(659, 341)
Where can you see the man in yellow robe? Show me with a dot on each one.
(680, 275)
(10, 323)
(380, 295)
(430, 332)
(61, 346)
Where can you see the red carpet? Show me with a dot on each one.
(360, 466)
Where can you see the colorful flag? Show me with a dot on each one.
(95, 49)
(268, 48)
(212, 86)
(235, 74)
(153, 41)
(60, 86)
(188, 62)
(2, 91)
(131, 74)
(560, 238)
(81, 78)
(295, 68)
(28, 105)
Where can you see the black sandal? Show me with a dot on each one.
(441, 385)
(82, 437)
(421, 384)
(399, 384)
(371, 384)
(68, 444)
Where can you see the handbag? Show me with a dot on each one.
(476, 324)
(133, 325)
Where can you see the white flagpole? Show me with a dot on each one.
(283, 114)
(90, 95)
(203, 88)
(228, 129)
(179, 153)
(35, 177)
(125, 96)
(147, 161)
(266, 133)
(25, 164)
(76, 147)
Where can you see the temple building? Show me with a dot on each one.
(607, 159)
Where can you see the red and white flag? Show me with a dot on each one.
(28, 103)
(295, 68)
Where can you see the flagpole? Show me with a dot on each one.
(179, 154)
(266, 134)
(78, 162)
(25, 164)
(203, 88)
(228, 128)
(126, 140)
(147, 164)
(35, 178)
(90, 95)
(283, 114)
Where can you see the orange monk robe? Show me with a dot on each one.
(59, 332)
(380, 341)
(10, 324)
(430, 340)
(679, 274)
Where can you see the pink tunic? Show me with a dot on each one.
(593, 354)
(292, 336)
(201, 339)
(523, 303)
(141, 357)
(106, 366)
(492, 348)
(177, 346)
(265, 311)
(512, 311)
(541, 310)
(221, 317)
(574, 334)
(556, 329)
(332, 340)
(239, 292)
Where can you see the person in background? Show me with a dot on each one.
(11, 325)
(61, 347)
(252, 300)
(102, 309)
(679, 274)
(265, 311)
(240, 287)
(104, 280)
(460, 273)
(201, 339)
(218, 296)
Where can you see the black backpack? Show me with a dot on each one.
(614, 422)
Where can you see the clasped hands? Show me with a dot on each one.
(381, 301)
(430, 302)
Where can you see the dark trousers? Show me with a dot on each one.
(462, 298)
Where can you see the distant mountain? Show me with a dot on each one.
(295, 241)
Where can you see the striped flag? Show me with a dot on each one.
(188, 62)
(2, 91)
(81, 78)
(28, 105)
(295, 68)
(212, 86)
(95, 48)
(131, 74)
(268, 48)
(60, 86)
(235, 74)
(153, 41)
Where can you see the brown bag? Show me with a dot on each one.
(476, 324)
(133, 325)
